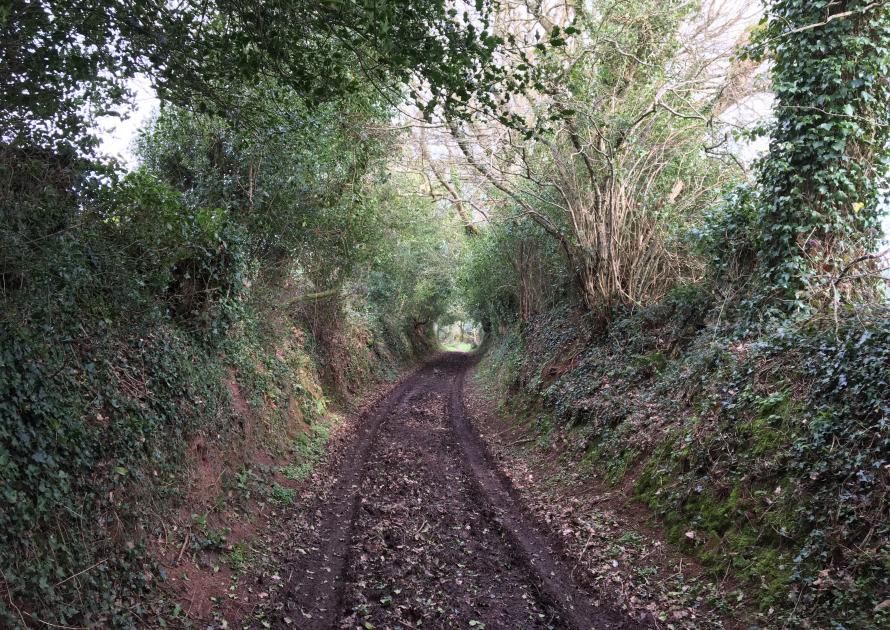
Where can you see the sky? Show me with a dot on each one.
(119, 135)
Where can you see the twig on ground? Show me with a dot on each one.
(71, 577)
(522, 441)
(184, 545)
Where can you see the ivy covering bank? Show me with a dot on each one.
(746, 400)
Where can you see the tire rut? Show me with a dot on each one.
(578, 609)
(315, 587)
(421, 528)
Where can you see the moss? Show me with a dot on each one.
(655, 472)
(724, 538)
(283, 495)
(308, 448)
(770, 427)
(239, 557)
(617, 467)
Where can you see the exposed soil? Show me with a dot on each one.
(193, 551)
(421, 529)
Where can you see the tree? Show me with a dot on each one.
(412, 277)
(67, 61)
(821, 181)
(630, 153)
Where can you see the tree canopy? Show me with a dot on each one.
(67, 62)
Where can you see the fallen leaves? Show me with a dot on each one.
(602, 533)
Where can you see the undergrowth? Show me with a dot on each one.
(767, 457)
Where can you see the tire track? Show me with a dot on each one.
(437, 520)
(549, 571)
(314, 589)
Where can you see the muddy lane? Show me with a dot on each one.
(423, 531)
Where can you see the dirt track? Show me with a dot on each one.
(422, 529)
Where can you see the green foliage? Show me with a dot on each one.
(295, 179)
(768, 444)
(728, 238)
(613, 190)
(128, 300)
(321, 221)
(65, 63)
(773, 451)
(283, 495)
(410, 282)
(51, 97)
(119, 248)
(488, 286)
(308, 189)
(193, 256)
(308, 450)
(513, 270)
(821, 179)
(265, 204)
(806, 466)
(90, 414)
(239, 557)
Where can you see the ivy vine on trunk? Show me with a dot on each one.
(821, 179)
